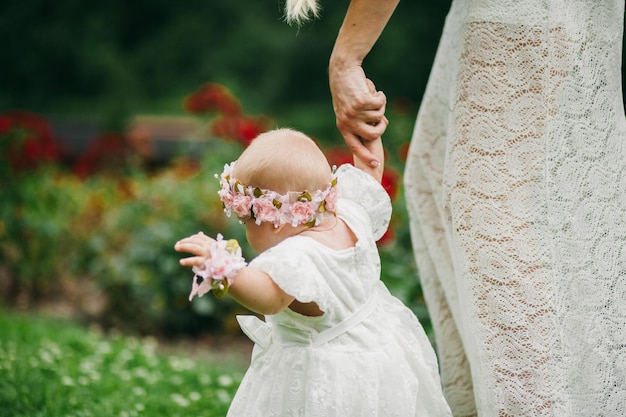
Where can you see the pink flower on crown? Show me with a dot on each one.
(241, 205)
(226, 196)
(265, 205)
(301, 212)
(264, 210)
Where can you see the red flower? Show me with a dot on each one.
(242, 129)
(339, 156)
(248, 129)
(6, 123)
(110, 150)
(28, 139)
(387, 238)
(210, 98)
(390, 181)
(32, 149)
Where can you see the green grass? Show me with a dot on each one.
(55, 368)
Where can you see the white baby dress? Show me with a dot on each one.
(367, 355)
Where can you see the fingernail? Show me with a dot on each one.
(375, 164)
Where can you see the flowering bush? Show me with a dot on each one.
(132, 256)
(109, 152)
(104, 243)
(33, 211)
(212, 98)
(26, 141)
(99, 236)
(230, 123)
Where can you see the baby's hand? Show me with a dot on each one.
(215, 265)
(198, 245)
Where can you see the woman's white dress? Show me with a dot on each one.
(516, 186)
(367, 355)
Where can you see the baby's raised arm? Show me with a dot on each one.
(251, 288)
(375, 147)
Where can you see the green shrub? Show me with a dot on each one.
(102, 241)
(132, 254)
(38, 204)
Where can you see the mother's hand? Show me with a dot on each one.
(359, 109)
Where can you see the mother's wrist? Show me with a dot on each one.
(342, 58)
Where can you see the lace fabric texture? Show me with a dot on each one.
(516, 186)
(383, 365)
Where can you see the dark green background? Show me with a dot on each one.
(111, 59)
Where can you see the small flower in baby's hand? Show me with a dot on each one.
(219, 270)
(232, 246)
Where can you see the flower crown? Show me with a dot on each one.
(264, 205)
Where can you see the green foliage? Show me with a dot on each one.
(105, 243)
(28, 180)
(113, 58)
(49, 368)
(36, 210)
(132, 256)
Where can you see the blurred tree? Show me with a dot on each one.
(116, 58)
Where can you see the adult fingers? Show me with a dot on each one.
(358, 148)
(364, 129)
(353, 118)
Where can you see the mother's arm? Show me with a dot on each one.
(360, 112)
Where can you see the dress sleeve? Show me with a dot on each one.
(291, 267)
(362, 189)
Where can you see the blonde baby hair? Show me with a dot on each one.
(283, 160)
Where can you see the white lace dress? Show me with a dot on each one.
(366, 356)
(516, 185)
